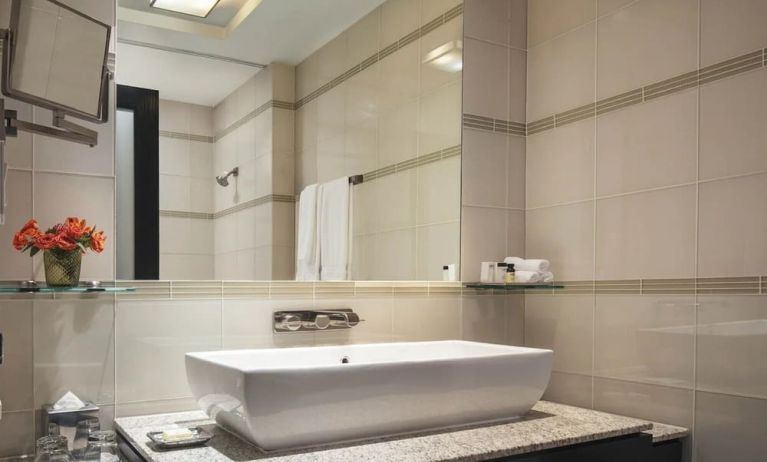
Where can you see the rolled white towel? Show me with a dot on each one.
(521, 264)
(547, 276)
(529, 277)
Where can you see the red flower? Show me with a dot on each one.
(26, 235)
(97, 241)
(76, 228)
(45, 241)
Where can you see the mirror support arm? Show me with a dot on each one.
(66, 130)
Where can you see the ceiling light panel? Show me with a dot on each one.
(199, 8)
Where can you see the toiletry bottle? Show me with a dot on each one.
(510, 273)
(500, 272)
(445, 273)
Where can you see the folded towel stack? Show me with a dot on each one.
(530, 270)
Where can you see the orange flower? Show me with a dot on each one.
(62, 242)
(26, 235)
(76, 228)
(97, 241)
(45, 241)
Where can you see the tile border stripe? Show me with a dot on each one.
(742, 285)
(416, 162)
(382, 53)
(494, 125)
(187, 136)
(743, 63)
(272, 104)
(183, 214)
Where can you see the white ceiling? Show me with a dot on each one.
(285, 31)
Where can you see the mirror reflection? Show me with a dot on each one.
(58, 58)
(291, 147)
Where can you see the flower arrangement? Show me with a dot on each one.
(71, 235)
(63, 246)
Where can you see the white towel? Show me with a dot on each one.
(307, 250)
(335, 204)
(547, 276)
(527, 276)
(521, 264)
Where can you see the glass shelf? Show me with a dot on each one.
(48, 290)
(512, 286)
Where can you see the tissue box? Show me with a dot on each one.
(64, 422)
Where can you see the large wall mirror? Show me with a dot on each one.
(318, 140)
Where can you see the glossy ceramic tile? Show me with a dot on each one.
(732, 335)
(396, 198)
(398, 134)
(550, 18)
(732, 139)
(729, 426)
(515, 319)
(431, 77)
(402, 82)
(487, 20)
(396, 255)
(437, 246)
(565, 235)
(645, 338)
(439, 191)
(185, 266)
(725, 206)
(74, 350)
(399, 18)
(426, 318)
(661, 404)
(646, 235)
(476, 312)
(486, 79)
(485, 168)
(16, 373)
(560, 164)
(563, 323)
(648, 145)
(439, 124)
(483, 238)
(146, 351)
(16, 265)
(727, 31)
(651, 31)
(570, 55)
(572, 389)
(18, 430)
(247, 324)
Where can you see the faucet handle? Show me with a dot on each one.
(289, 322)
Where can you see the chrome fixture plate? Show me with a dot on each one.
(314, 320)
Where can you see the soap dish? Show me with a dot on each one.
(200, 437)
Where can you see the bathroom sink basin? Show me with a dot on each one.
(301, 397)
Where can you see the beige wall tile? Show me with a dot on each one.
(398, 134)
(647, 235)
(396, 198)
(431, 77)
(201, 120)
(431, 9)
(515, 319)
(16, 265)
(661, 404)
(570, 55)
(550, 18)
(439, 124)
(18, 430)
(731, 344)
(729, 29)
(518, 24)
(147, 351)
(565, 236)
(560, 164)
(487, 20)
(283, 224)
(306, 126)
(247, 324)
(651, 31)
(74, 350)
(563, 323)
(486, 79)
(364, 38)
(729, 426)
(399, 18)
(645, 338)
(485, 168)
(332, 58)
(426, 318)
(608, 6)
(438, 245)
(517, 85)
(307, 76)
(572, 389)
(648, 145)
(174, 116)
(16, 373)
(402, 82)
(732, 136)
(18, 149)
(483, 238)
(732, 226)
(160, 406)
(484, 318)
(515, 228)
(396, 255)
(516, 163)
(184, 266)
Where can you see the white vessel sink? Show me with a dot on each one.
(299, 397)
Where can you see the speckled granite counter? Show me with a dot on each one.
(548, 425)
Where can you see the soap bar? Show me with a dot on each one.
(178, 434)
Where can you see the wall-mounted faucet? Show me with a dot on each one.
(314, 320)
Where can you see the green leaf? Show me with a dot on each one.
(33, 252)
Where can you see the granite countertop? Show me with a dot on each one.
(548, 425)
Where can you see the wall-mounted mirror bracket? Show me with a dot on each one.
(62, 129)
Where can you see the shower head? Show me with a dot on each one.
(223, 179)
